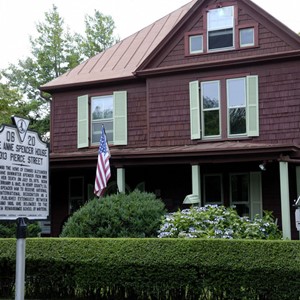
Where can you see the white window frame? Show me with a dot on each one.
(197, 129)
(211, 29)
(253, 37)
(191, 38)
(236, 106)
(203, 110)
(100, 121)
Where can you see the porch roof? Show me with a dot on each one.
(216, 152)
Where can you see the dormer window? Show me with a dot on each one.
(220, 28)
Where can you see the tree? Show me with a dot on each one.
(99, 34)
(8, 97)
(54, 51)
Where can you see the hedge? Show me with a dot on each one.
(154, 269)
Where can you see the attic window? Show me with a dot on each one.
(247, 37)
(220, 24)
(196, 44)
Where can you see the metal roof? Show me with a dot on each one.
(122, 59)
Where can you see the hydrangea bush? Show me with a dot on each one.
(213, 221)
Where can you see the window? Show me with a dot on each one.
(210, 104)
(101, 114)
(236, 97)
(196, 44)
(245, 193)
(213, 192)
(220, 28)
(238, 103)
(247, 37)
(109, 110)
(76, 193)
(239, 193)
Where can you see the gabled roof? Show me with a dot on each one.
(129, 57)
(122, 59)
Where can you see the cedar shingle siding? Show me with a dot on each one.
(155, 69)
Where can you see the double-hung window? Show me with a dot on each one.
(210, 104)
(214, 102)
(108, 110)
(101, 114)
(236, 103)
(220, 28)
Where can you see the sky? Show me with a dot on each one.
(18, 18)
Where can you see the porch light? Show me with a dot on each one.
(262, 166)
(191, 199)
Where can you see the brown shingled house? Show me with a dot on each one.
(192, 104)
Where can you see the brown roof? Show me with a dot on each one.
(127, 58)
(122, 59)
(204, 152)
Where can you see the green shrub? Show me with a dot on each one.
(203, 269)
(8, 229)
(214, 221)
(134, 215)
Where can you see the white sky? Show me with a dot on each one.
(18, 18)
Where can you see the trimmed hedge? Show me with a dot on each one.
(155, 268)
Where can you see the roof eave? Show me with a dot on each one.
(81, 84)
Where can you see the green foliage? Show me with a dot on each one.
(8, 98)
(134, 215)
(99, 34)
(214, 221)
(54, 51)
(158, 268)
(8, 229)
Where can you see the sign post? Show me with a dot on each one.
(24, 184)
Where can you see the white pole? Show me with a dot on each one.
(20, 259)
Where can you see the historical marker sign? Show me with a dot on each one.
(24, 173)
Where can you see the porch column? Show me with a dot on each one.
(285, 200)
(298, 185)
(196, 181)
(121, 180)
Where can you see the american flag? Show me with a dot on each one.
(103, 167)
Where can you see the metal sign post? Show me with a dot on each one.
(20, 259)
(24, 184)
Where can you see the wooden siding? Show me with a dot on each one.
(279, 103)
(174, 52)
(168, 108)
(64, 115)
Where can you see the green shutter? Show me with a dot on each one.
(83, 121)
(120, 118)
(255, 194)
(252, 106)
(195, 110)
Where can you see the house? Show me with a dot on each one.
(204, 101)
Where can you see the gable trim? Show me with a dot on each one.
(295, 54)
